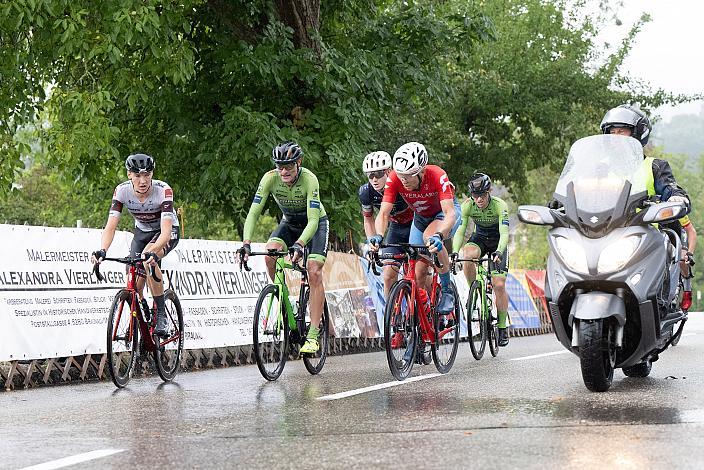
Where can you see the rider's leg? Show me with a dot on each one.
(318, 250)
(157, 290)
(273, 244)
(390, 276)
(498, 279)
(470, 251)
(447, 301)
(280, 240)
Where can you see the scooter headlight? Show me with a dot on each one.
(572, 254)
(616, 255)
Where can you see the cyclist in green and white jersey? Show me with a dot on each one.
(304, 223)
(490, 216)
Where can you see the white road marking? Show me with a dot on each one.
(74, 459)
(359, 391)
(536, 356)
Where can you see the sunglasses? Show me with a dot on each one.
(376, 174)
(480, 194)
(287, 166)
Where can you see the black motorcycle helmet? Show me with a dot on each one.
(479, 183)
(140, 163)
(628, 116)
(287, 152)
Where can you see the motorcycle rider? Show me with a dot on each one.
(630, 121)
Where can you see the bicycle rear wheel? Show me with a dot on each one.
(400, 334)
(122, 339)
(492, 321)
(270, 333)
(167, 354)
(314, 362)
(447, 335)
(476, 323)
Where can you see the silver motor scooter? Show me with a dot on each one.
(612, 272)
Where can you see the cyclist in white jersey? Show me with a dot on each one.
(151, 203)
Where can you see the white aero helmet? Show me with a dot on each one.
(410, 159)
(376, 161)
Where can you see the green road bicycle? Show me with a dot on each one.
(482, 319)
(279, 330)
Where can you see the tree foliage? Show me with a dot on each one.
(209, 86)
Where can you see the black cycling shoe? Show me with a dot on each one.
(447, 301)
(503, 337)
(162, 325)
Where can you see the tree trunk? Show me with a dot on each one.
(303, 16)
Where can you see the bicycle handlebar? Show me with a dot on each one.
(455, 261)
(274, 254)
(128, 260)
(411, 251)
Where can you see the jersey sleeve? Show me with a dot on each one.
(312, 208)
(458, 239)
(446, 190)
(116, 204)
(391, 188)
(503, 226)
(255, 210)
(167, 205)
(365, 201)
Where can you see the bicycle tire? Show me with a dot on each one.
(314, 362)
(271, 343)
(167, 353)
(493, 328)
(476, 321)
(400, 323)
(447, 340)
(121, 346)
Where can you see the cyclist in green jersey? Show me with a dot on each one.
(490, 216)
(304, 224)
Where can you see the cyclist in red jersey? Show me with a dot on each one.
(429, 192)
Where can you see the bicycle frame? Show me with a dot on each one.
(296, 319)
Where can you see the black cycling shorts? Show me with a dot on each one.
(287, 233)
(486, 247)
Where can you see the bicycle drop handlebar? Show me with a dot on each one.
(128, 260)
(410, 251)
(454, 262)
(274, 254)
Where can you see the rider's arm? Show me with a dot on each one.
(459, 238)
(367, 211)
(257, 206)
(691, 236)
(664, 181)
(382, 218)
(448, 208)
(312, 208)
(109, 232)
(503, 226)
(165, 235)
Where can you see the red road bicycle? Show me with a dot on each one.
(130, 317)
(407, 323)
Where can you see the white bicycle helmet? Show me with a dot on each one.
(376, 161)
(410, 159)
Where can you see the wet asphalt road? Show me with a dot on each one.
(505, 412)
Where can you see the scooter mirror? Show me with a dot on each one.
(535, 215)
(664, 212)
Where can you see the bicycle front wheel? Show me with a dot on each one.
(476, 321)
(314, 362)
(122, 338)
(447, 335)
(270, 333)
(167, 354)
(400, 330)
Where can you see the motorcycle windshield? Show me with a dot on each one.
(599, 167)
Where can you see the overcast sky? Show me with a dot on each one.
(669, 51)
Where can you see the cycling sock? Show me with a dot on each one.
(503, 317)
(313, 332)
(159, 301)
(445, 280)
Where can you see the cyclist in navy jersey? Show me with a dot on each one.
(377, 166)
(151, 203)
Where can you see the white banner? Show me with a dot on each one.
(51, 304)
